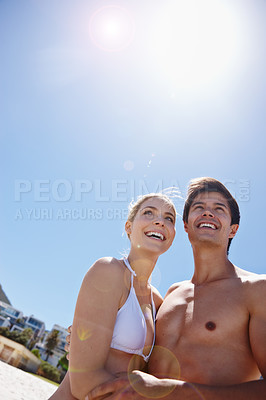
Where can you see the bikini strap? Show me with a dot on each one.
(133, 273)
(146, 358)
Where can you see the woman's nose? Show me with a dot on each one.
(159, 221)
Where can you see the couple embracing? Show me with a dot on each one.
(210, 340)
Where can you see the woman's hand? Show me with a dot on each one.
(68, 339)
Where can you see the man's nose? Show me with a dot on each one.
(207, 213)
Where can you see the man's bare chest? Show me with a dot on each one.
(202, 315)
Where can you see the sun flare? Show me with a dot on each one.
(111, 28)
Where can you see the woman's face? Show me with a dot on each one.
(153, 227)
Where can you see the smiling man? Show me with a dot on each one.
(210, 330)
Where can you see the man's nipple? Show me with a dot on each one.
(211, 326)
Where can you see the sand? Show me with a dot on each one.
(16, 384)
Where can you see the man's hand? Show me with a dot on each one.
(134, 386)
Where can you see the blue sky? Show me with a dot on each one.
(102, 101)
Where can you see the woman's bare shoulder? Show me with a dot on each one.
(108, 270)
(175, 286)
(107, 263)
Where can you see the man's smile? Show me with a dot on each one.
(208, 225)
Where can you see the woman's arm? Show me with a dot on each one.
(96, 309)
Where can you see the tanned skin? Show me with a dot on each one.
(210, 330)
(104, 291)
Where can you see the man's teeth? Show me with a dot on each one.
(155, 234)
(207, 225)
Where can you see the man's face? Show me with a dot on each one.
(209, 220)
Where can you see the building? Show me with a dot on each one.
(9, 315)
(36, 325)
(59, 351)
(15, 320)
(16, 354)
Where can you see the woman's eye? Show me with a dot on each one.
(170, 219)
(148, 212)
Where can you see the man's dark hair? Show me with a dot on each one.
(205, 185)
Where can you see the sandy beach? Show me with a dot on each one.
(16, 384)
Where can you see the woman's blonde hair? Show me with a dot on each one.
(134, 206)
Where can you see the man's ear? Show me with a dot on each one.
(128, 228)
(185, 226)
(233, 230)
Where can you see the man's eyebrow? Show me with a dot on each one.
(197, 203)
(202, 202)
(222, 204)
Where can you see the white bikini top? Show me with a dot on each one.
(130, 328)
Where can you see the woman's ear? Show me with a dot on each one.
(128, 228)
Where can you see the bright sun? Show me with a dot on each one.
(193, 45)
(111, 28)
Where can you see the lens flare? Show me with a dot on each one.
(169, 367)
(128, 165)
(172, 371)
(197, 391)
(111, 28)
(83, 334)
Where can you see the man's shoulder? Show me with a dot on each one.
(254, 287)
(248, 277)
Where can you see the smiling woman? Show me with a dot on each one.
(114, 324)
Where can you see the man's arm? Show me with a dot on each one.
(140, 386)
(255, 390)
(257, 325)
